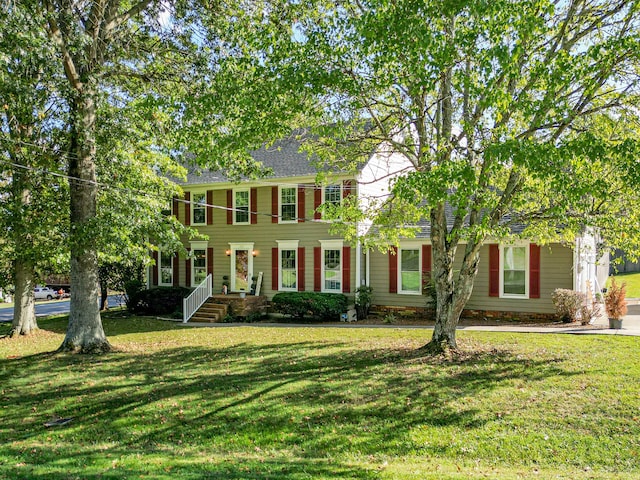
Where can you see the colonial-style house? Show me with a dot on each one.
(267, 236)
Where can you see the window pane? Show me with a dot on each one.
(410, 281)
(166, 276)
(288, 213)
(199, 209)
(289, 279)
(514, 282)
(514, 258)
(288, 196)
(288, 259)
(410, 260)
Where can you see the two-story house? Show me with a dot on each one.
(272, 226)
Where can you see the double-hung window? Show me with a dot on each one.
(241, 202)
(198, 262)
(410, 275)
(166, 268)
(199, 209)
(288, 204)
(288, 265)
(331, 266)
(514, 271)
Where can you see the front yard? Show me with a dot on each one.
(301, 403)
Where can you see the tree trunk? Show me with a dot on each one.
(84, 333)
(24, 314)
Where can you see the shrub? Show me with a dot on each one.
(131, 289)
(568, 303)
(158, 301)
(614, 301)
(364, 297)
(324, 306)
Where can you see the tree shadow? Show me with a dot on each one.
(314, 400)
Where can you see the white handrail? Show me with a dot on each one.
(194, 301)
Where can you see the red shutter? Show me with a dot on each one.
(209, 207)
(301, 209)
(229, 207)
(274, 205)
(494, 270)
(317, 269)
(187, 269)
(317, 201)
(300, 261)
(210, 261)
(426, 264)
(274, 269)
(393, 270)
(176, 270)
(346, 269)
(154, 269)
(187, 208)
(347, 188)
(254, 205)
(534, 271)
(174, 207)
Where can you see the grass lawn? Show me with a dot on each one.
(633, 283)
(307, 403)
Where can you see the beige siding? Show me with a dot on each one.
(263, 235)
(555, 272)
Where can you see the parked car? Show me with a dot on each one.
(42, 293)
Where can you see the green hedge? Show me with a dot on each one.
(323, 306)
(157, 301)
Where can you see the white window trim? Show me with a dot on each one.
(409, 247)
(193, 207)
(526, 246)
(235, 210)
(160, 283)
(331, 245)
(197, 246)
(234, 247)
(295, 215)
(287, 245)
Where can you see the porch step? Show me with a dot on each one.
(210, 312)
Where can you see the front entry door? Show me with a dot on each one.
(241, 268)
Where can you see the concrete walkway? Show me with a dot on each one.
(630, 325)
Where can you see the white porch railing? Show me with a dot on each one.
(193, 302)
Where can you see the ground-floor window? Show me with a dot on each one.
(166, 268)
(409, 271)
(514, 268)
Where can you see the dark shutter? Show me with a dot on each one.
(187, 269)
(154, 269)
(274, 205)
(346, 269)
(317, 269)
(187, 208)
(174, 207)
(209, 207)
(426, 264)
(229, 207)
(317, 201)
(534, 271)
(300, 263)
(254, 205)
(494, 270)
(347, 188)
(393, 270)
(176, 270)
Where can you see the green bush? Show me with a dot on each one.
(323, 306)
(157, 301)
(364, 298)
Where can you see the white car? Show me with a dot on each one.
(42, 293)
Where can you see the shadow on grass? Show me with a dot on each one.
(240, 411)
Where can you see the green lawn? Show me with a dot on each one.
(633, 283)
(307, 403)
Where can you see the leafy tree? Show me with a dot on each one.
(491, 104)
(31, 131)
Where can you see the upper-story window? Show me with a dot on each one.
(288, 204)
(333, 194)
(241, 206)
(514, 271)
(199, 209)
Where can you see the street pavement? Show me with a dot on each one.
(45, 308)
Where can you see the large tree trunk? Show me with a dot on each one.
(84, 333)
(24, 314)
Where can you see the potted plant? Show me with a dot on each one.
(615, 303)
